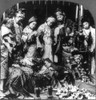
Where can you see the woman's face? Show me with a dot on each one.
(85, 25)
(60, 17)
(49, 23)
(32, 25)
(68, 30)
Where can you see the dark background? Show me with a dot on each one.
(43, 9)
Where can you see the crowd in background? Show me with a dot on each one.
(51, 51)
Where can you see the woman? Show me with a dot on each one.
(20, 74)
(89, 42)
(45, 36)
(29, 38)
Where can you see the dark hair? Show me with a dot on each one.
(4, 21)
(59, 10)
(85, 20)
(22, 11)
(70, 27)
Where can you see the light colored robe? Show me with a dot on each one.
(47, 32)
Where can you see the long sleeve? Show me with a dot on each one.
(93, 39)
(40, 36)
(56, 32)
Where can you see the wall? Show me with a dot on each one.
(88, 4)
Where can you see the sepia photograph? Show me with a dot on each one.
(47, 50)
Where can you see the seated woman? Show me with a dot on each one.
(20, 74)
(29, 38)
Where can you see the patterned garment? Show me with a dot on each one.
(29, 38)
(90, 35)
(4, 62)
(8, 38)
(18, 31)
(19, 76)
(6, 48)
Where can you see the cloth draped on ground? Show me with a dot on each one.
(24, 78)
(19, 77)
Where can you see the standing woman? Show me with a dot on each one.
(45, 35)
(89, 33)
(29, 38)
(7, 44)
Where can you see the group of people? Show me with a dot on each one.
(54, 41)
